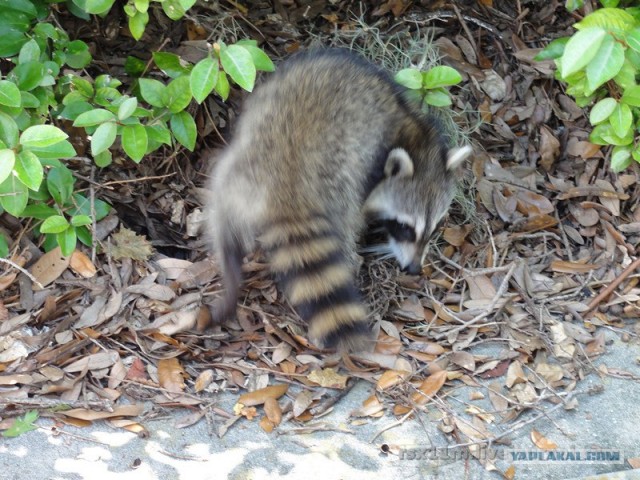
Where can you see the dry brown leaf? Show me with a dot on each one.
(371, 407)
(173, 267)
(127, 244)
(515, 374)
(171, 375)
(302, 402)
(137, 371)
(82, 265)
(541, 441)
(480, 287)
(118, 411)
(465, 360)
(563, 266)
(247, 412)
(388, 345)
(539, 222)
(456, 235)
(93, 362)
(204, 380)
(411, 309)
(273, 411)
(49, 267)
(429, 387)
(266, 424)
(391, 378)
(549, 148)
(329, 378)
(258, 397)
(281, 352)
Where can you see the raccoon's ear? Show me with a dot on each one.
(399, 164)
(457, 156)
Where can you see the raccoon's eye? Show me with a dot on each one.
(402, 232)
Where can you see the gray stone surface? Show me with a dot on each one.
(606, 420)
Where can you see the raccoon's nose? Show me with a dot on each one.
(414, 268)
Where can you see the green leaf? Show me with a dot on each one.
(42, 136)
(173, 9)
(67, 241)
(141, 5)
(63, 149)
(14, 195)
(24, 6)
(95, 7)
(621, 120)
(184, 129)
(581, 49)
(203, 78)
(170, 64)
(186, 4)
(222, 86)
(410, 78)
(602, 110)
(441, 76)
(60, 184)
(261, 60)
(4, 247)
(8, 130)
(631, 96)
(610, 19)
(54, 224)
(29, 169)
(78, 55)
(238, 64)
(554, 50)
(137, 24)
(134, 67)
(126, 108)
(152, 91)
(9, 94)
(134, 141)
(620, 158)
(159, 133)
(73, 110)
(606, 64)
(93, 117)
(29, 75)
(12, 41)
(437, 98)
(103, 159)
(80, 220)
(83, 207)
(177, 95)
(633, 39)
(22, 425)
(30, 52)
(39, 211)
(7, 162)
(103, 137)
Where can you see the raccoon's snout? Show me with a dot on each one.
(414, 268)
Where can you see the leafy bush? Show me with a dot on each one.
(599, 64)
(429, 86)
(34, 182)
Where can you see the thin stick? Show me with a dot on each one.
(614, 284)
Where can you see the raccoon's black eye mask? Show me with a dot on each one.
(401, 232)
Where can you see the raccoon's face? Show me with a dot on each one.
(408, 208)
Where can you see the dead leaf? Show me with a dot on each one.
(132, 410)
(81, 264)
(127, 244)
(515, 374)
(541, 441)
(429, 387)
(465, 360)
(329, 378)
(391, 378)
(171, 375)
(204, 380)
(273, 411)
(549, 148)
(302, 402)
(258, 397)
(49, 267)
(371, 407)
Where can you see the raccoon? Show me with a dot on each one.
(326, 145)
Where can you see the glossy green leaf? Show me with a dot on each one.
(554, 50)
(7, 162)
(441, 76)
(14, 195)
(184, 129)
(29, 75)
(30, 52)
(138, 23)
(261, 60)
(60, 184)
(8, 130)
(631, 96)
(29, 169)
(410, 78)
(581, 49)
(67, 241)
(621, 120)
(95, 7)
(59, 150)
(203, 78)
(152, 91)
(238, 64)
(602, 110)
(170, 64)
(437, 98)
(54, 224)
(222, 86)
(177, 95)
(126, 108)
(620, 158)
(606, 64)
(610, 19)
(9, 94)
(80, 220)
(103, 137)
(41, 136)
(134, 141)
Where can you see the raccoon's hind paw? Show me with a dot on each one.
(348, 339)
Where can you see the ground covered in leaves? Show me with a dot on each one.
(539, 255)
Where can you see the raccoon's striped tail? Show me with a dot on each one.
(309, 260)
